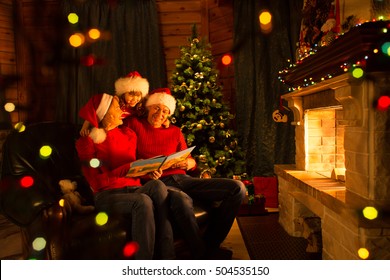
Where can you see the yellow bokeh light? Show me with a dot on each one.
(9, 107)
(20, 127)
(73, 18)
(39, 244)
(370, 213)
(94, 163)
(61, 202)
(94, 33)
(265, 17)
(45, 151)
(363, 253)
(76, 40)
(101, 218)
(357, 73)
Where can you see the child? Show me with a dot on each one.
(130, 90)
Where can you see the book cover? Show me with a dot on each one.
(144, 166)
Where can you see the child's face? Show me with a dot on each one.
(131, 98)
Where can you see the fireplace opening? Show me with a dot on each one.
(324, 142)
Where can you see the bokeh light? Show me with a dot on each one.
(227, 59)
(386, 48)
(265, 20)
(94, 33)
(39, 244)
(61, 202)
(383, 103)
(73, 18)
(130, 249)
(20, 127)
(265, 17)
(101, 219)
(357, 72)
(9, 107)
(370, 213)
(76, 40)
(45, 151)
(363, 253)
(26, 181)
(94, 163)
(88, 60)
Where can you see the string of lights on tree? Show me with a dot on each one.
(201, 113)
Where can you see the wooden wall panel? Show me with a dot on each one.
(176, 19)
(9, 92)
(220, 16)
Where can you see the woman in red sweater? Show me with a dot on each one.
(106, 154)
(155, 139)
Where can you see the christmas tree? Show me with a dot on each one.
(201, 113)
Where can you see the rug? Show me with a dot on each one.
(265, 239)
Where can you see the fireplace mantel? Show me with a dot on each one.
(366, 138)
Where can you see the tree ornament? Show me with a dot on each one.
(199, 125)
(182, 108)
(214, 101)
(211, 139)
(202, 158)
(221, 125)
(173, 120)
(221, 160)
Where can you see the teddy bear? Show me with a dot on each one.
(73, 201)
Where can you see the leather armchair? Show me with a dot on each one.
(29, 196)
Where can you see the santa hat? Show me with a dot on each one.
(93, 112)
(162, 96)
(132, 82)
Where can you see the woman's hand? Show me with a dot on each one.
(186, 164)
(155, 174)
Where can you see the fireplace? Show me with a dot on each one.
(342, 160)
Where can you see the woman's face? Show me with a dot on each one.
(157, 114)
(113, 117)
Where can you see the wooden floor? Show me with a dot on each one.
(11, 248)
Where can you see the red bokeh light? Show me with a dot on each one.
(26, 181)
(383, 103)
(227, 59)
(130, 249)
(88, 60)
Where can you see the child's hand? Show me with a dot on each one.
(84, 132)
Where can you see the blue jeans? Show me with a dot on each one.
(146, 207)
(228, 193)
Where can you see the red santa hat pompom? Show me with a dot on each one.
(162, 96)
(93, 112)
(132, 82)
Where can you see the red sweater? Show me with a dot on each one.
(157, 141)
(115, 155)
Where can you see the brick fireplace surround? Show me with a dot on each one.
(342, 150)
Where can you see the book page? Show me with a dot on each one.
(144, 166)
(176, 157)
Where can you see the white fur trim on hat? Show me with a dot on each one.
(103, 106)
(132, 83)
(162, 96)
(98, 135)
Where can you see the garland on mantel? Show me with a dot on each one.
(356, 67)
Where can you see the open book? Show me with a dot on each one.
(144, 166)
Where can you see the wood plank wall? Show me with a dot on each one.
(8, 57)
(214, 19)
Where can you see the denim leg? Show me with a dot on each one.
(183, 216)
(164, 247)
(138, 209)
(229, 192)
